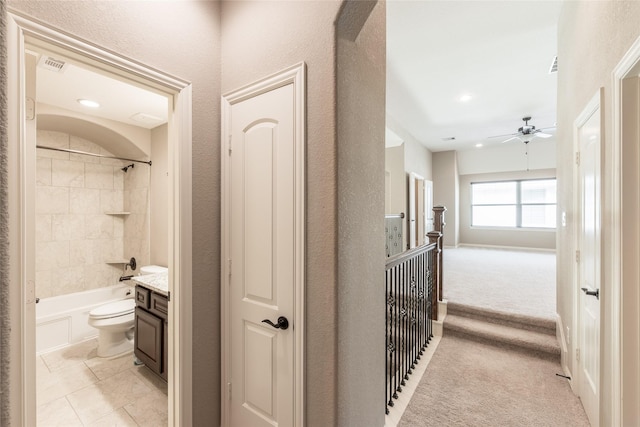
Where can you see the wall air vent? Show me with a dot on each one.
(554, 65)
(52, 64)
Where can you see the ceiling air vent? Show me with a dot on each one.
(52, 64)
(449, 138)
(554, 65)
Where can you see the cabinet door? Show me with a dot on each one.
(148, 339)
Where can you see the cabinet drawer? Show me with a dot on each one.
(159, 305)
(142, 297)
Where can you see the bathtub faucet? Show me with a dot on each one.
(123, 278)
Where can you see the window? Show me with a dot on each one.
(521, 204)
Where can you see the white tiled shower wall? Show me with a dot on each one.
(75, 239)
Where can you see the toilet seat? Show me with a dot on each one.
(113, 309)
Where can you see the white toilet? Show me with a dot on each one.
(114, 322)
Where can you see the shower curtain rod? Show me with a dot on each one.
(66, 150)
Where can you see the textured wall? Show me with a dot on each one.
(181, 38)
(159, 199)
(361, 156)
(417, 157)
(592, 38)
(446, 193)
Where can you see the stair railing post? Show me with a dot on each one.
(439, 225)
(435, 237)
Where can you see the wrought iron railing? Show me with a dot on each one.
(413, 287)
(410, 279)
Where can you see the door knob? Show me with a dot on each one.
(595, 293)
(283, 323)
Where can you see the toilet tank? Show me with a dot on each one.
(152, 269)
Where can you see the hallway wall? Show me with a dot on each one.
(446, 192)
(593, 37)
(361, 64)
(259, 39)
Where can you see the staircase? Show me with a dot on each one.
(531, 335)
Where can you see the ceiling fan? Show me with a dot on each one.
(525, 133)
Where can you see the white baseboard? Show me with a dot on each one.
(438, 325)
(442, 309)
(395, 412)
(511, 248)
(564, 351)
(400, 404)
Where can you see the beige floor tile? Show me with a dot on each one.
(119, 418)
(99, 392)
(151, 379)
(73, 355)
(57, 413)
(150, 410)
(53, 385)
(105, 368)
(106, 396)
(41, 367)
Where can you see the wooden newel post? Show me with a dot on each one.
(439, 226)
(435, 237)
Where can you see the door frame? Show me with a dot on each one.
(413, 204)
(293, 75)
(624, 275)
(22, 29)
(592, 106)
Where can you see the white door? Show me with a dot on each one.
(589, 265)
(428, 205)
(420, 213)
(264, 217)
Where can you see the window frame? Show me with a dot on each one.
(518, 204)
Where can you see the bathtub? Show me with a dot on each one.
(63, 320)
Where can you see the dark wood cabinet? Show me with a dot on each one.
(152, 312)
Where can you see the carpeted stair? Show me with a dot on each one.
(527, 334)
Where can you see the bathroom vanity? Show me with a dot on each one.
(151, 322)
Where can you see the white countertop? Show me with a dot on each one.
(155, 282)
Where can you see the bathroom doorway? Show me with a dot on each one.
(86, 212)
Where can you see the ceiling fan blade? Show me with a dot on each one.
(543, 135)
(502, 136)
(511, 139)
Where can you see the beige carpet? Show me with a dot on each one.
(521, 282)
(473, 384)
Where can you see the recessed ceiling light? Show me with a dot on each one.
(478, 145)
(465, 98)
(88, 103)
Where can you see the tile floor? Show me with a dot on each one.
(77, 388)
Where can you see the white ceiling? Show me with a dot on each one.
(499, 52)
(118, 100)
